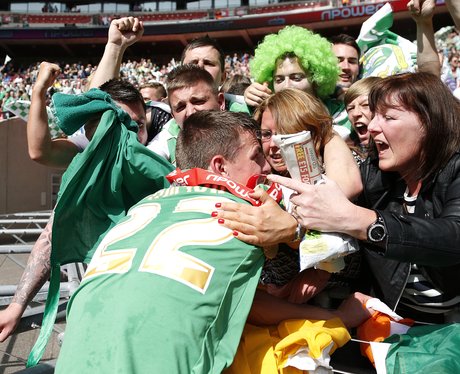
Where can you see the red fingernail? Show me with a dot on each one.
(235, 233)
(220, 220)
(214, 214)
(218, 205)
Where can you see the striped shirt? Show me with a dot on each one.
(420, 294)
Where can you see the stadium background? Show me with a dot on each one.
(238, 25)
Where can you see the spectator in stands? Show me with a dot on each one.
(287, 59)
(153, 91)
(7, 98)
(236, 84)
(190, 89)
(452, 76)
(233, 89)
(288, 112)
(347, 51)
(207, 54)
(356, 102)
(158, 112)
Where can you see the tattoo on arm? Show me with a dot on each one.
(37, 270)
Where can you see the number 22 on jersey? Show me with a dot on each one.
(164, 256)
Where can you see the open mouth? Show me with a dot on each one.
(276, 160)
(361, 128)
(381, 146)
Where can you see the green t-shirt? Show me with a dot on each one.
(168, 291)
(339, 113)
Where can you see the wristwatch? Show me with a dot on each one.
(299, 233)
(377, 232)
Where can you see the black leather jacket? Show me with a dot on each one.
(430, 238)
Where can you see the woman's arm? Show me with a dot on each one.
(324, 207)
(271, 310)
(430, 241)
(263, 225)
(341, 167)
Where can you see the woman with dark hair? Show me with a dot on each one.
(408, 217)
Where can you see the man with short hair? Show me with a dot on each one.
(168, 289)
(153, 91)
(190, 89)
(158, 112)
(347, 51)
(207, 54)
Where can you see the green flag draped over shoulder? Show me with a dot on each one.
(113, 173)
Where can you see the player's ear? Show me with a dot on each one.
(218, 165)
(221, 100)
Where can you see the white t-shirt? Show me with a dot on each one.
(79, 139)
(159, 144)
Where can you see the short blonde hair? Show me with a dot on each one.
(359, 88)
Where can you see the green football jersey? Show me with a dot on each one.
(168, 291)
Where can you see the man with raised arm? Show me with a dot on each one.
(60, 152)
(129, 101)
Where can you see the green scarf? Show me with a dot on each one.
(113, 173)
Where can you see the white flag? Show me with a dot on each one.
(7, 59)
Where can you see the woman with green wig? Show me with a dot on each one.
(296, 58)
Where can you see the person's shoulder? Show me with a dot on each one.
(80, 140)
(164, 134)
(451, 171)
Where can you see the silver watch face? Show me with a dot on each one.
(377, 232)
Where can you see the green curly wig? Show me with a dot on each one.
(312, 50)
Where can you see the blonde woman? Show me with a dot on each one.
(288, 112)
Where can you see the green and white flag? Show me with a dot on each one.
(422, 349)
(21, 109)
(383, 52)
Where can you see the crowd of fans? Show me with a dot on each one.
(389, 152)
(17, 82)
